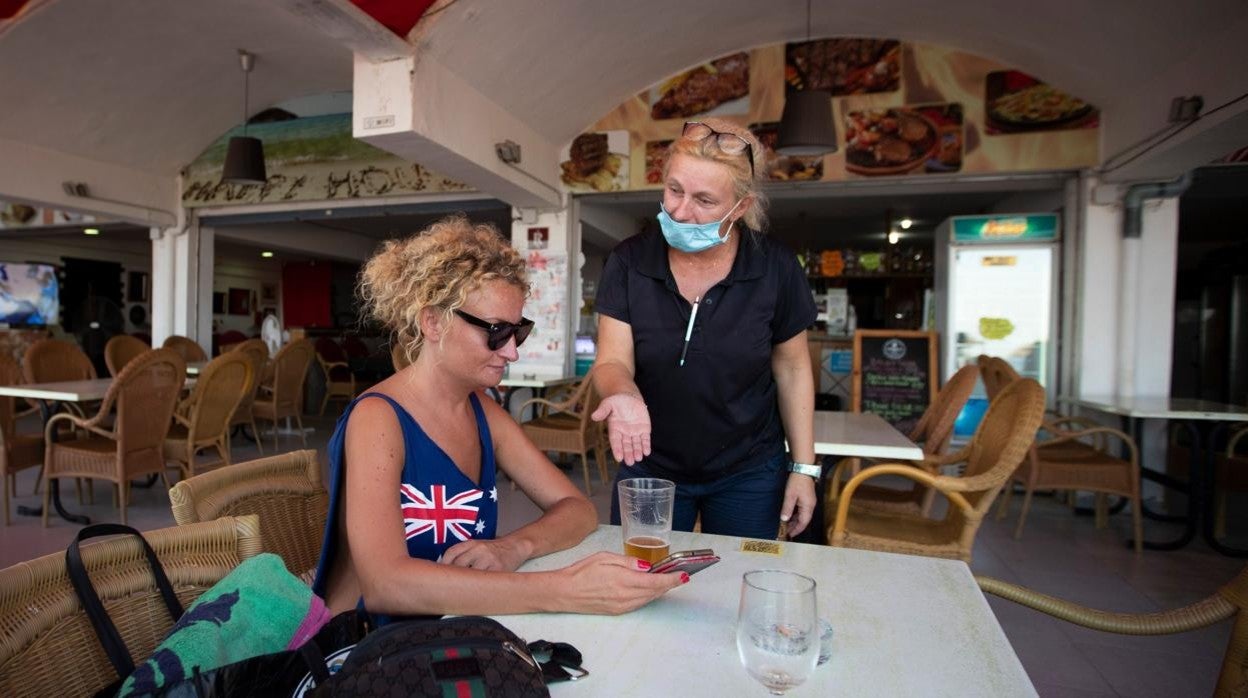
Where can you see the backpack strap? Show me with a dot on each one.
(105, 630)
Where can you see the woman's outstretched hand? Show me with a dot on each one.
(628, 426)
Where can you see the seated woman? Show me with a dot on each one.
(427, 441)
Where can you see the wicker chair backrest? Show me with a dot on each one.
(935, 427)
(54, 360)
(221, 387)
(121, 350)
(188, 348)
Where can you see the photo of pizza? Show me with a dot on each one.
(656, 159)
(1015, 102)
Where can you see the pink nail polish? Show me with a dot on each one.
(643, 565)
(684, 577)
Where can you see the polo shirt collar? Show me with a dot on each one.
(750, 262)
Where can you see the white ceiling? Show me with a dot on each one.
(148, 85)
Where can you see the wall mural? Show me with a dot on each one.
(310, 158)
(899, 109)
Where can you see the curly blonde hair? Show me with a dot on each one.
(436, 268)
(744, 184)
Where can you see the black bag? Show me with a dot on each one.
(277, 674)
(471, 655)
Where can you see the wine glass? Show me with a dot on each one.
(778, 628)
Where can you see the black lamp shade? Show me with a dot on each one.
(806, 127)
(244, 161)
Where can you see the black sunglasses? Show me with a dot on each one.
(497, 333)
(729, 143)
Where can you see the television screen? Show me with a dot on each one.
(29, 294)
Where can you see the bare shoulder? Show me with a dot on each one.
(373, 423)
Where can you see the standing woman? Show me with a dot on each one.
(413, 500)
(702, 354)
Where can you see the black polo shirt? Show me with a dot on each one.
(718, 413)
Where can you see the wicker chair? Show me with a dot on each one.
(1062, 460)
(999, 444)
(284, 491)
(187, 348)
(934, 430)
(566, 428)
(257, 353)
(144, 395)
(121, 350)
(339, 380)
(47, 645)
(203, 419)
(283, 395)
(1231, 601)
(17, 451)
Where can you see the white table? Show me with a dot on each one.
(1199, 487)
(61, 391)
(903, 626)
(861, 435)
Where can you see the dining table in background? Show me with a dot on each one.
(903, 625)
(1204, 421)
(48, 396)
(852, 435)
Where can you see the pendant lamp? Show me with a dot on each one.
(806, 126)
(244, 157)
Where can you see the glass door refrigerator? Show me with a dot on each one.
(996, 292)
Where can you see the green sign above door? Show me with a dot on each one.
(1027, 227)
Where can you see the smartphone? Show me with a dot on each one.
(689, 561)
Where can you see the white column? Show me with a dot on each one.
(182, 268)
(163, 273)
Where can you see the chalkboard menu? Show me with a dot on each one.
(894, 375)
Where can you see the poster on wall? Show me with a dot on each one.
(596, 162)
(15, 215)
(656, 160)
(903, 140)
(719, 87)
(1015, 102)
(843, 66)
(548, 284)
(784, 168)
(310, 158)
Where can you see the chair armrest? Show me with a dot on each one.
(1235, 439)
(946, 485)
(932, 462)
(832, 491)
(90, 425)
(1198, 615)
(551, 407)
(1109, 431)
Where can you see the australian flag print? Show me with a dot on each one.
(443, 516)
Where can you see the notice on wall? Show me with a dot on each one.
(547, 307)
(894, 375)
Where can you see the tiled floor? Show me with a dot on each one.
(1060, 554)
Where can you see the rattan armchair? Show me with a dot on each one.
(284, 491)
(121, 350)
(17, 451)
(339, 380)
(283, 396)
(1231, 601)
(257, 353)
(999, 444)
(933, 432)
(47, 644)
(202, 420)
(144, 395)
(565, 427)
(187, 348)
(55, 360)
(1077, 460)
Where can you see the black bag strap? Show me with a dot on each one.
(114, 647)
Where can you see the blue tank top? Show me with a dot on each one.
(441, 506)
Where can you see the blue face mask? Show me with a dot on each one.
(693, 237)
